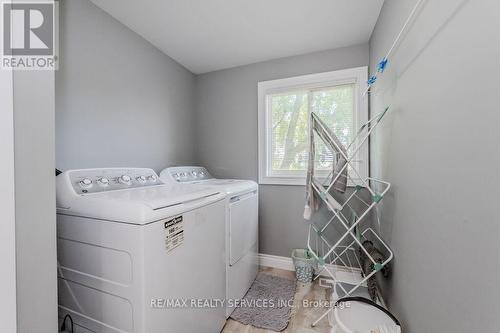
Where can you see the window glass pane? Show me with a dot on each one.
(335, 106)
(290, 132)
(289, 136)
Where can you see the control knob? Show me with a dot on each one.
(141, 179)
(85, 183)
(103, 181)
(125, 179)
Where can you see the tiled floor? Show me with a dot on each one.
(302, 317)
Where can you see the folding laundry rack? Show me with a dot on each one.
(340, 253)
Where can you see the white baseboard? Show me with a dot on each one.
(268, 260)
(286, 263)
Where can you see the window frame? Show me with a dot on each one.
(357, 76)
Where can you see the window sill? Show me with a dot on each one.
(282, 181)
(290, 181)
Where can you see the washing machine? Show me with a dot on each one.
(137, 255)
(242, 244)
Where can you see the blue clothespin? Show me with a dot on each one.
(382, 65)
(372, 80)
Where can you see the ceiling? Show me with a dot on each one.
(208, 35)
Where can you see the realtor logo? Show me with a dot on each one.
(28, 35)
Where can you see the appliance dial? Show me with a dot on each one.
(103, 181)
(125, 179)
(141, 179)
(152, 178)
(85, 183)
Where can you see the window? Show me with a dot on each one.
(284, 109)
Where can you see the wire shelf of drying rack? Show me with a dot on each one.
(338, 253)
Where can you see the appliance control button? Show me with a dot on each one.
(103, 181)
(86, 183)
(125, 179)
(152, 178)
(141, 179)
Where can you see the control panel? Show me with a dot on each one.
(110, 179)
(189, 174)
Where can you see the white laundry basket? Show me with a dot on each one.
(359, 314)
(305, 264)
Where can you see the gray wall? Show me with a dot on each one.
(119, 100)
(440, 149)
(226, 119)
(35, 201)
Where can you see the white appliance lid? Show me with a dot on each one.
(139, 205)
(230, 186)
(197, 175)
(156, 197)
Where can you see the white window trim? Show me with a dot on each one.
(358, 75)
(8, 311)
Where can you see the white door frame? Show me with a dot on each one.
(8, 312)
